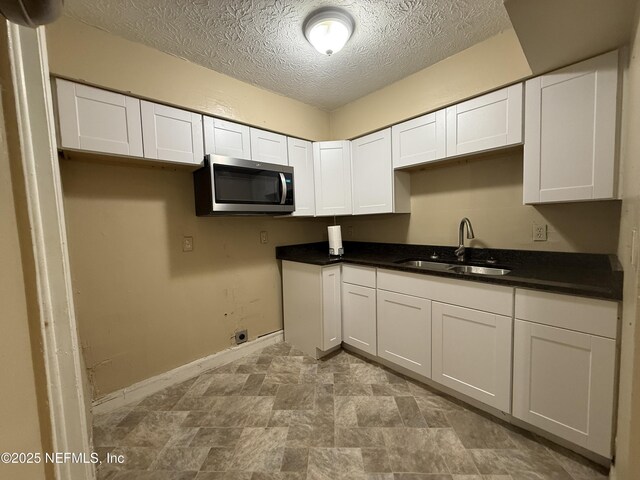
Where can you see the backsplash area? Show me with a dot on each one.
(488, 190)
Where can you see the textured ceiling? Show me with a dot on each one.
(261, 41)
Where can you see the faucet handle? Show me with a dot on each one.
(492, 261)
(434, 256)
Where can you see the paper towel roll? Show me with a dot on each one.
(335, 240)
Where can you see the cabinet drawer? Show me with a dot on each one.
(587, 315)
(365, 276)
(479, 296)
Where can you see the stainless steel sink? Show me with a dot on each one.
(448, 267)
(442, 267)
(478, 270)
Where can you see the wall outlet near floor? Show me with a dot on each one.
(264, 237)
(241, 336)
(187, 244)
(539, 232)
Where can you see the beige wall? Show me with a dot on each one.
(19, 409)
(78, 51)
(144, 306)
(488, 190)
(628, 438)
(486, 66)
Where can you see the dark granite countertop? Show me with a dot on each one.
(585, 274)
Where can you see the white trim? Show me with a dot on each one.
(68, 412)
(140, 390)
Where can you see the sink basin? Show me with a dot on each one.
(448, 267)
(442, 267)
(478, 270)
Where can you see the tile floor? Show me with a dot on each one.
(280, 415)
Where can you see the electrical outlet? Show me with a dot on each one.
(539, 232)
(187, 244)
(264, 237)
(241, 336)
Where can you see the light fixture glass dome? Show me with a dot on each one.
(328, 30)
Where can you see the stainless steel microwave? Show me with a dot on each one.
(233, 186)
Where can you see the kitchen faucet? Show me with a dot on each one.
(460, 250)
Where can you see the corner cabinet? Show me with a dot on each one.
(301, 159)
(332, 177)
(421, 140)
(472, 353)
(359, 308)
(564, 367)
(486, 122)
(570, 133)
(376, 187)
(268, 147)
(312, 307)
(171, 134)
(98, 120)
(222, 137)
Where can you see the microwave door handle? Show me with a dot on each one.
(283, 182)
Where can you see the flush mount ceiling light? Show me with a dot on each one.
(328, 29)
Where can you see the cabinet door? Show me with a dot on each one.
(301, 159)
(570, 133)
(472, 353)
(486, 122)
(359, 317)
(372, 173)
(98, 120)
(268, 147)
(332, 177)
(420, 140)
(331, 308)
(404, 331)
(171, 134)
(563, 382)
(226, 138)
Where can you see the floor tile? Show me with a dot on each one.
(335, 464)
(181, 459)
(414, 450)
(295, 460)
(260, 449)
(218, 459)
(295, 397)
(359, 437)
(216, 437)
(410, 413)
(375, 460)
(477, 431)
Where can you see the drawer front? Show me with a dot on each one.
(484, 297)
(364, 276)
(587, 315)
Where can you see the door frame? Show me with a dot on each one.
(65, 376)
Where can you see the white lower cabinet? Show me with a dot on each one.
(331, 308)
(564, 379)
(359, 317)
(404, 331)
(312, 307)
(471, 353)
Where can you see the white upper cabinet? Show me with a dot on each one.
(472, 353)
(373, 179)
(222, 137)
(332, 176)
(98, 120)
(570, 133)
(301, 159)
(490, 121)
(268, 147)
(420, 140)
(171, 134)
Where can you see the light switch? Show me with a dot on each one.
(264, 237)
(187, 244)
